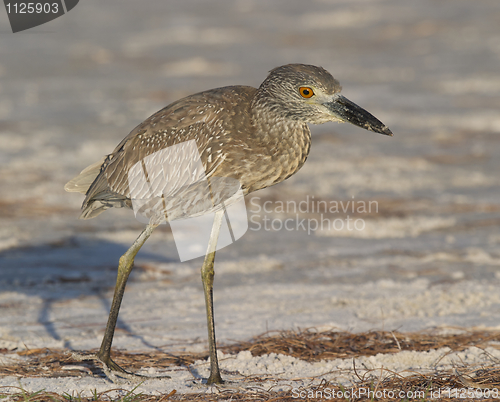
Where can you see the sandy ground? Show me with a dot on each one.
(425, 255)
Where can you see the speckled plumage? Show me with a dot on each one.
(252, 137)
(258, 136)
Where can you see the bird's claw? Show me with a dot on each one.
(111, 369)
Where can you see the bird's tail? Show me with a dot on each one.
(82, 182)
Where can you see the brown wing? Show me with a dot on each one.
(197, 117)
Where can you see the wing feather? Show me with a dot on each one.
(194, 118)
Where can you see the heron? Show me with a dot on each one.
(256, 136)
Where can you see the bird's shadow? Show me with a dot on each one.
(69, 269)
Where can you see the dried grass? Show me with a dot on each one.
(309, 345)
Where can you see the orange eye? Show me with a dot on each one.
(306, 92)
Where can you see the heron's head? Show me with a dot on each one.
(310, 94)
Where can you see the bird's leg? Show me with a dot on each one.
(207, 276)
(124, 268)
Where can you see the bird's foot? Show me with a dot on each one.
(112, 370)
(215, 379)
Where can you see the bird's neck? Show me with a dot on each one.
(287, 141)
(275, 129)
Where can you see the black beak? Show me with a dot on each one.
(348, 111)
